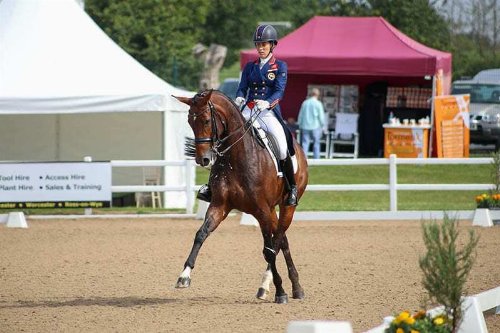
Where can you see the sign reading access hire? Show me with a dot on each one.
(55, 185)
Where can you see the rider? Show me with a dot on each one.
(262, 86)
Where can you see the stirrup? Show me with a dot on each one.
(205, 193)
(293, 197)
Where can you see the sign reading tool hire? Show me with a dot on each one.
(55, 185)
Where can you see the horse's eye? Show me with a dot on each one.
(206, 122)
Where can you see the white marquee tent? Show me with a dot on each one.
(68, 91)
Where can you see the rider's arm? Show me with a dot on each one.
(243, 87)
(279, 85)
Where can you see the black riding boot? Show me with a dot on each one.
(287, 169)
(205, 193)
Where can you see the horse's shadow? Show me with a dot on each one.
(120, 302)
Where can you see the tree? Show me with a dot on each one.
(418, 19)
(154, 32)
(475, 28)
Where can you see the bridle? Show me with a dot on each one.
(215, 140)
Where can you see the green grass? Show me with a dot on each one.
(356, 200)
(379, 174)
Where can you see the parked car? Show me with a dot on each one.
(230, 87)
(484, 90)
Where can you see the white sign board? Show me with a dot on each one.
(55, 185)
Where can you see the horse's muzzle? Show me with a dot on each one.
(206, 160)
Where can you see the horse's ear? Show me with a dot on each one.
(185, 100)
(204, 100)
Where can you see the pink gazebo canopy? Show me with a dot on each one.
(355, 46)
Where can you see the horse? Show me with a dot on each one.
(243, 177)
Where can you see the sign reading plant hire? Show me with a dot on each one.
(55, 185)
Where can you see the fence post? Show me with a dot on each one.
(189, 187)
(88, 211)
(393, 182)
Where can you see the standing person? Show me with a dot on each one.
(311, 122)
(261, 88)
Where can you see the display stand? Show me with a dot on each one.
(406, 140)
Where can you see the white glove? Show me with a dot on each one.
(240, 101)
(262, 105)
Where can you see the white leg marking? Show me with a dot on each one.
(186, 273)
(267, 277)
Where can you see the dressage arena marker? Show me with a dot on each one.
(482, 218)
(316, 326)
(17, 220)
(247, 219)
(202, 209)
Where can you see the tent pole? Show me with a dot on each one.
(164, 153)
(432, 116)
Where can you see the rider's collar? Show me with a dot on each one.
(265, 60)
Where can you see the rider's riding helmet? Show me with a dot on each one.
(265, 33)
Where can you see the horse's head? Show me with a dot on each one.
(205, 125)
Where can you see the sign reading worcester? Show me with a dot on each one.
(55, 185)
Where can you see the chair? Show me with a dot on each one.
(346, 134)
(150, 176)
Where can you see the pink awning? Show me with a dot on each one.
(355, 46)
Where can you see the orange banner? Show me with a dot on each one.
(451, 121)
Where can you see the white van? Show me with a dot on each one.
(484, 89)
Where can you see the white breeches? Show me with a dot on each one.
(268, 121)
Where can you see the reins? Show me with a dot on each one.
(214, 140)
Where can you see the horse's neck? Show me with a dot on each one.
(243, 150)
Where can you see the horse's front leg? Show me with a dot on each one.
(213, 218)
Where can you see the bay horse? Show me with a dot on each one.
(243, 177)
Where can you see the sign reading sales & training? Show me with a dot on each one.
(55, 185)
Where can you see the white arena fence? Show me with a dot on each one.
(393, 187)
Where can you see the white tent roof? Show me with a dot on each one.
(55, 59)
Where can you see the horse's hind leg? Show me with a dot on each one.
(297, 291)
(285, 220)
(268, 224)
(270, 252)
(213, 218)
(267, 277)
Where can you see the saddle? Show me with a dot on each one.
(273, 143)
(269, 142)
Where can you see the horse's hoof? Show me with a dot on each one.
(262, 294)
(298, 294)
(183, 282)
(283, 299)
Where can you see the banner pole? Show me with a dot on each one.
(432, 116)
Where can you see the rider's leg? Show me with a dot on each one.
(275, 128)
(287, 168)
(205, 192)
